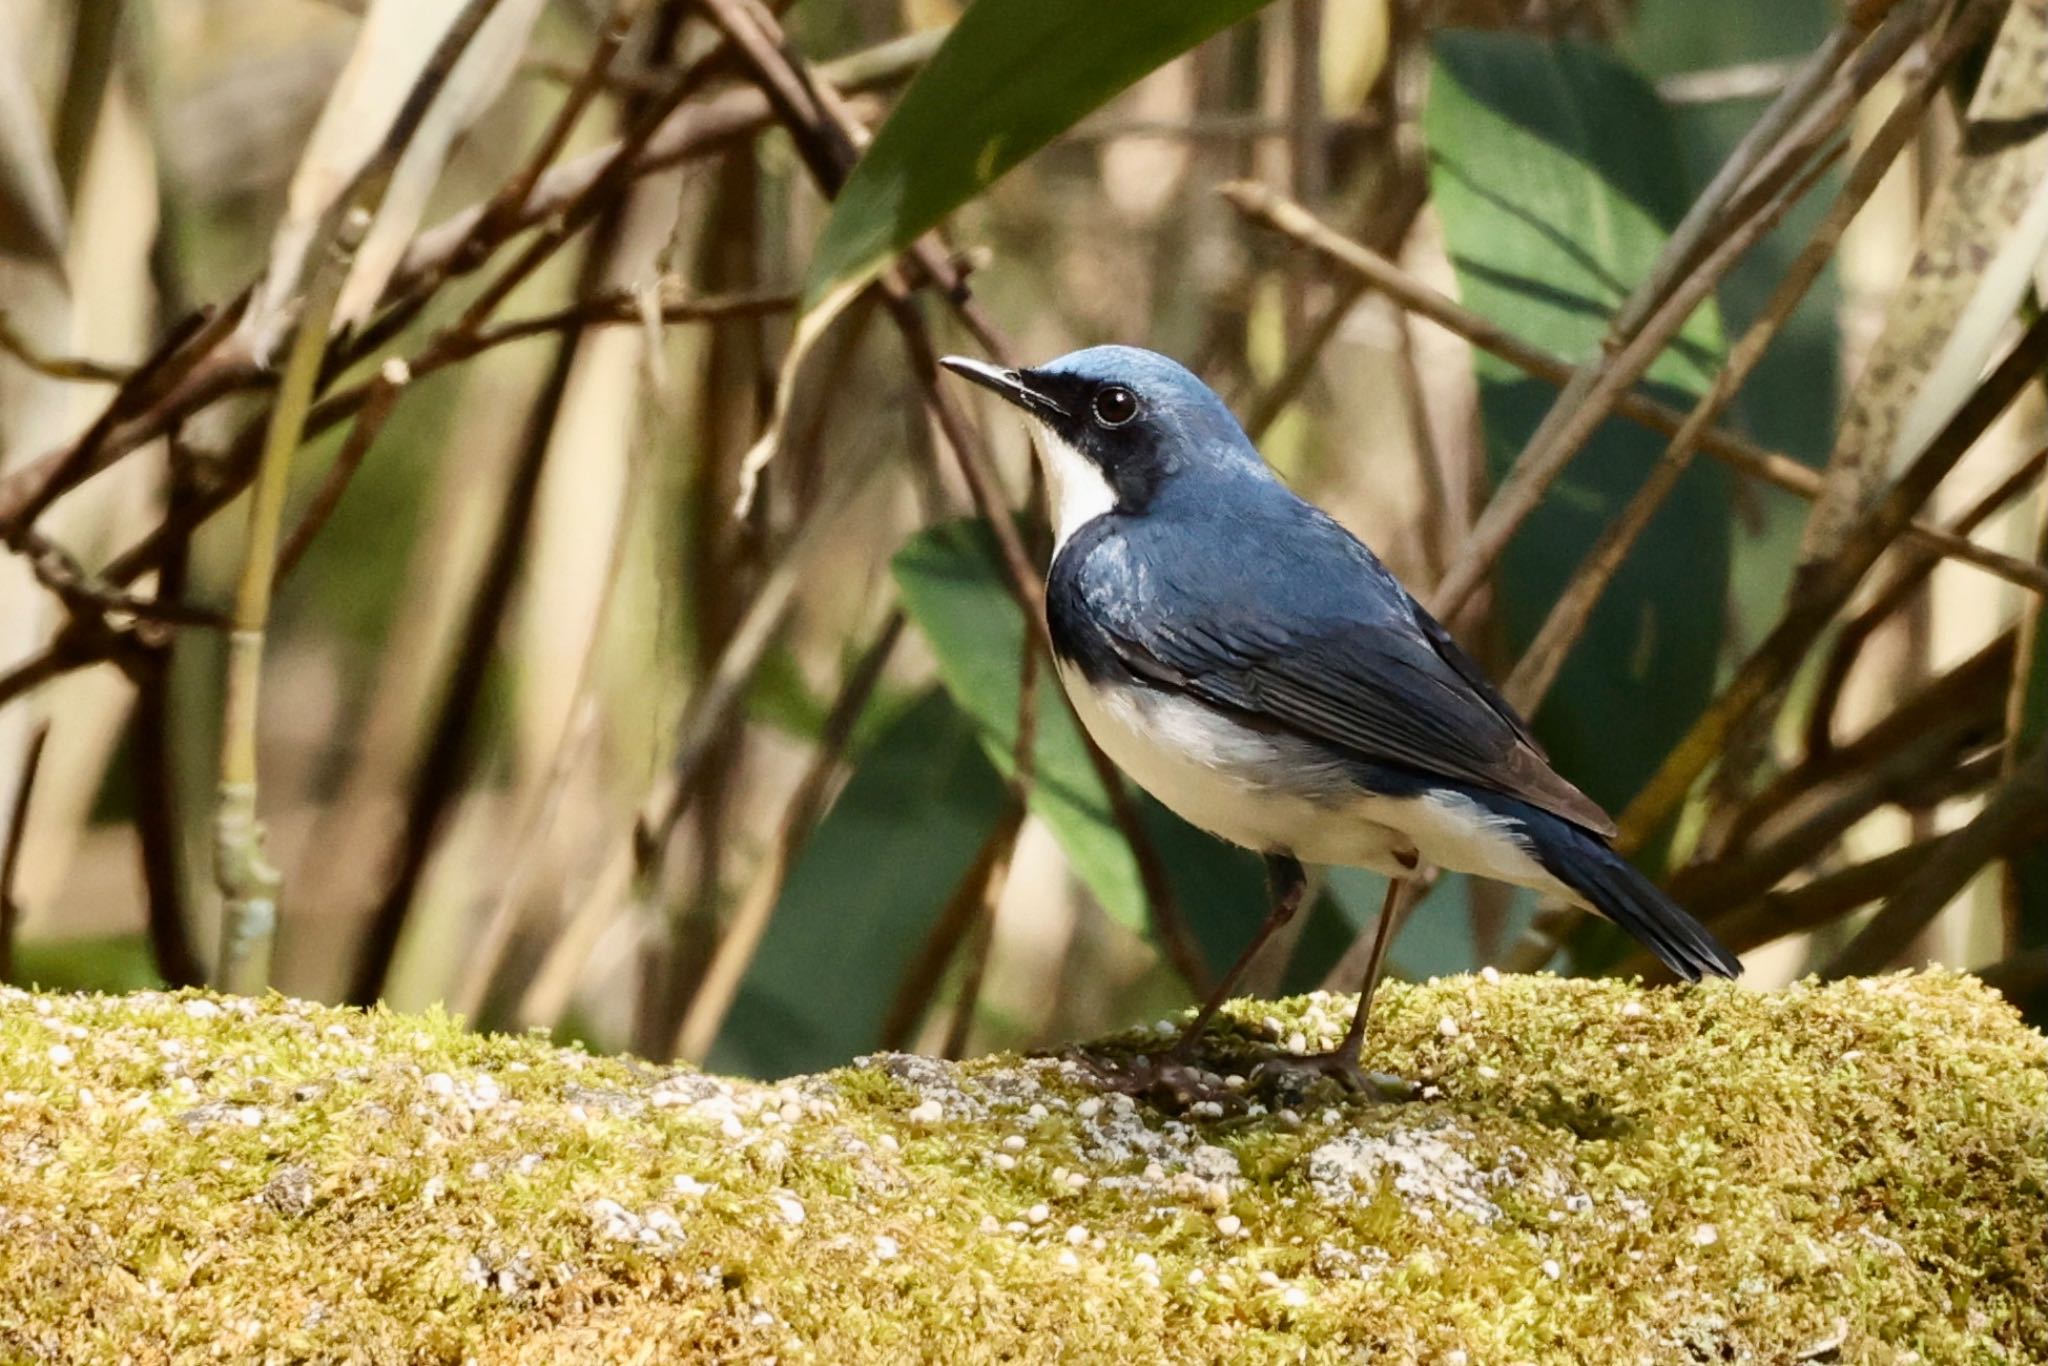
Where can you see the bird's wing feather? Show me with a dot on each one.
(1387, 686)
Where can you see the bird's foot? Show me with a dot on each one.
(1295, 1074)
(1167, 1080)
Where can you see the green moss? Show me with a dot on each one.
(1599, 1173)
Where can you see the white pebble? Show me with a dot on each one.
(790, 1208)
(1491, 976)
(689, 1187)
(1014, 1143)
(1089, 1108)
(1076, 1236)
(1297, 1042)
(438, 1083)
(887, 1143)
(1145, 1261)
(1551, 1269)
(1294, 1297)
(1447, 1027)
(1706, 1235)
(929, 1112)
(1229, 1225)
(60, 1054)
(1004, 1162)
(1631, 1010)
(886, 1247)
(1037, 1214)
(201, 1010)
(1069, 1260)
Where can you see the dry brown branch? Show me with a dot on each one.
(1904, 583)
(1267, 208)
(820, 123)
(197, 371)
(1829, 586)
(10, 850)
(1538, 668)
(76, 369)
(2015, 814)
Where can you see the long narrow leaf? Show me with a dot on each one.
(1011, 76)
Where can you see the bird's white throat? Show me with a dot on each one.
(1077, 489)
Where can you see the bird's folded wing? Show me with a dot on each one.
(1383, 693)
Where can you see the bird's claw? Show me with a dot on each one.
(1296, 1072)
(1177, 1083)
(1165, 1079)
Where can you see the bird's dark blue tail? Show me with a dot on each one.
(1583, 862)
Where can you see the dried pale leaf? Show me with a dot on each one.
(1977, 209)
(32, 219)
(391, 51)
(2005, 283)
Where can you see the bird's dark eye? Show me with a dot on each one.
(1115, 405)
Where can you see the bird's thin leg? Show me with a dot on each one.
(1375, 963)
(1289, 883)
(1341, 1063)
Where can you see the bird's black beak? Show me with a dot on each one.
(1008, 384)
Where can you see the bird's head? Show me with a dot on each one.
(1115, 424)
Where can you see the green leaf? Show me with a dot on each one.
(952, 586)
(111, 962)
(1012, 75)
(1556, 173)
(866, 888)
(1791, 401)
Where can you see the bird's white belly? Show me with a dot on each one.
(1276, 795)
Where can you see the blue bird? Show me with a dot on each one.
(1256, 668)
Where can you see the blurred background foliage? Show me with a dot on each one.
(643, 663)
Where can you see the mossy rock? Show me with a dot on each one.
(1854, 1172)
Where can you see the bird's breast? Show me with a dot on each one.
(1261, 789)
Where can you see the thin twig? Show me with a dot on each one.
(17, 840)
(1972, 692)
(159, 833)
(29, 489)
(981, 889)
(1905, 580)
(76, 369)
(1685, 273)
(200, 372)
(1545, 457)
(440, 769)
(2014, 814)
(250, 885)
(714, 702)
(1263, 206)
(1539, 665)
(378, 401)
(1830, 585)
(720, 987)
(484, 953)
(819, 122)
(499, 217)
